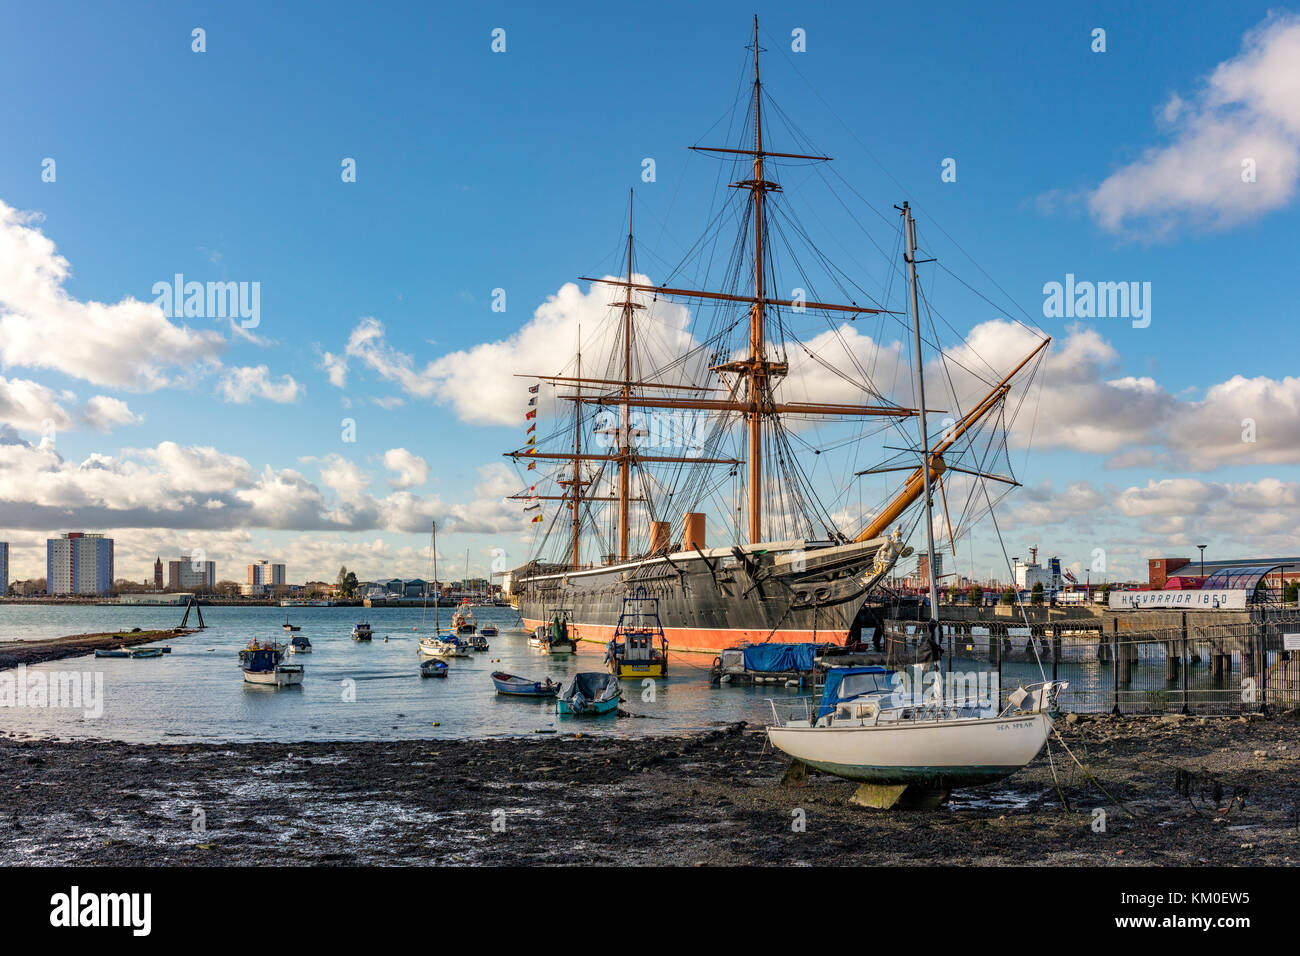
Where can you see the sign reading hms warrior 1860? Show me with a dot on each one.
(1217, 600)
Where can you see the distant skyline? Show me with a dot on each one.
(360, 383)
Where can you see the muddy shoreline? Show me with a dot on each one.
(1182, 791)
(13, 653)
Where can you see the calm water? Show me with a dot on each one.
(197, 692)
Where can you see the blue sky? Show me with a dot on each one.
(479, 170)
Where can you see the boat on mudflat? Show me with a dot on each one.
(513, 686)
(913, 749)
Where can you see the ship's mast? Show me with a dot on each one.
(909, 228)
(758, 372)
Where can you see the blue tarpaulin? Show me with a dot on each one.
(779, 657)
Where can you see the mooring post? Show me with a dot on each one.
(1114, 664)
(1056, 649)
(1182, 657)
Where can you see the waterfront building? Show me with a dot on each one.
(79, 563)
(187, 574)
(263, 576)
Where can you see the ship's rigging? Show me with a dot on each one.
(744, 444)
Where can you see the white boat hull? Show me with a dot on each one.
(940, 754)
(280, 677)
(441, 649)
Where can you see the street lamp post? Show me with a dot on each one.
(1202, 547)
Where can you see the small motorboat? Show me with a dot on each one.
(289, 628)
(261, 663)
(361, 631)
(147, 652)
(488, 630)
(638, 648)
(590, 694)
(513, 686)
(478, 642)
(299, 644)
(443, 646)
(113, 652)
(433, 668)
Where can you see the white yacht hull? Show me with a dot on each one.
(940, 754)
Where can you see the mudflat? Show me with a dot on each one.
(1171, 790)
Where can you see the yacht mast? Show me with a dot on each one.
(909, 226)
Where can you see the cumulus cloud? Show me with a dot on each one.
(31, 406)
(199, 487)
(410, 470)
(482, 382)
(1246, 119)
(241, 385)
(103, 413)
(129, 345)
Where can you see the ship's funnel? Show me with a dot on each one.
(659, 535)
(693, 531)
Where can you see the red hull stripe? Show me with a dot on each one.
(706, 640)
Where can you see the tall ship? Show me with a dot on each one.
(746, 404)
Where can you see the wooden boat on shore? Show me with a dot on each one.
(261, 663)
(590, 694)
(513, 686)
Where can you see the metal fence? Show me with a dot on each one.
(1202, 668)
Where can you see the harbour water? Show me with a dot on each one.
(196, 693)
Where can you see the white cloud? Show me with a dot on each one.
(31, 406)
(242, 385)
(127, 345)
(103, 413)
(1249, 109)
(482, 382)
(411, 470)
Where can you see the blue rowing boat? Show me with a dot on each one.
(522, 687)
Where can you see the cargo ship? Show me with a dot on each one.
(793, 567)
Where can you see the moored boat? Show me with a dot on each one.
(638, 648)
(513, 686)
(299, 644)
(488, 630)
(463, 620)
(361, 631)
(589, 694)
(261, 662)
(555, 637)
(443, 645)
(433, 668)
